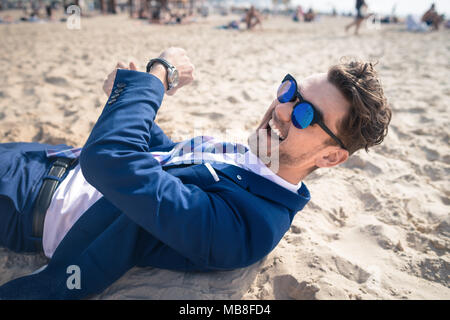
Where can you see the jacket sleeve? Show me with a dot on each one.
(115, 160)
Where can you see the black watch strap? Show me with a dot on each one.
(160, 60)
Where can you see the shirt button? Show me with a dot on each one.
(121, 85)
(239, 177)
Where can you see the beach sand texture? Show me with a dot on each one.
(377, 227)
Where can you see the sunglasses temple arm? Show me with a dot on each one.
(331, 134)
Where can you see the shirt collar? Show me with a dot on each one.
(253, 163)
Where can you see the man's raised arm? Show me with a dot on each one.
(200, 226)
(115, 160)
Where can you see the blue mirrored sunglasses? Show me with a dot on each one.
(304, 113)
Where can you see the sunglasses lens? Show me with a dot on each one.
(286, 91)
(302, 115)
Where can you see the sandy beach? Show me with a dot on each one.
(377, 227)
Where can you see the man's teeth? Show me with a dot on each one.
(275, 129)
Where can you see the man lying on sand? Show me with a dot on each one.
(133, 197)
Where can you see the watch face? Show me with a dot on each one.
(173, 78)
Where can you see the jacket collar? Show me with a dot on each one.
(265, 188)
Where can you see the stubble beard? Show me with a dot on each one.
(275, 156)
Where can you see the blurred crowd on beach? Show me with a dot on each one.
(190, 11)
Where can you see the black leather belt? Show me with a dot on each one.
(48, 188)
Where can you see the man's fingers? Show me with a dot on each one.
(132, 66)
(120, 65)
(171, 92)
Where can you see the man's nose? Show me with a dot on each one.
(284, 111)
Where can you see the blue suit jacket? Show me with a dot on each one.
(177, 218)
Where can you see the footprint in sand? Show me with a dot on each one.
(295, 229)
(445, 200)
(446, 159)
(211, 115)
(288, 287)
(51, 134)
(401, 135)
(385, 237)
(338, 217)
(420, 132)
(356, 162)
(68, 113)
(434, 173)
(246, 96)
(58, 81)
(28, 90)
(444, 227)
(232, 99)
(371, 202)
(424, 119)
(351, 271)
(430, 154)
(62, 95)
(433, 269)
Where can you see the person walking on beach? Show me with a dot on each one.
(253, 18)
(432, 18)
(133, 197)
(299, 14)
(360, 16)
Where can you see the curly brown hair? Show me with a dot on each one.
(366, 123)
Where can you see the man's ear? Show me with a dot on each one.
(332, 157)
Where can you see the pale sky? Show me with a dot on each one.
(403, 7)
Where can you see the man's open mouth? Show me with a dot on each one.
(273, 129)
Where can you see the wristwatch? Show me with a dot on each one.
(172, 72)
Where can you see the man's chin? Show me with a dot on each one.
(261, 146)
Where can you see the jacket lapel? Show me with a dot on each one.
(264, 187)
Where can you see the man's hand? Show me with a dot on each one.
(178, 58)
(109, 81)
